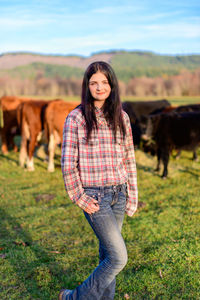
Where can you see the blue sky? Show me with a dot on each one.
(85, 27)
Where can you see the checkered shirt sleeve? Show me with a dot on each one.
(69, 164)
(130, 164)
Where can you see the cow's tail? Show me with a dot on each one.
(1, 115)
(45, 126)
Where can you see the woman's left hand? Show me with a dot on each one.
(92, 207)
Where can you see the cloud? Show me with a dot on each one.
(16, 23)
(175, 30)
(82, 42)
(113, 10)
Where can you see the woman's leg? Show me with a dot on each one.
(109, 292)
(118, 208)
(105, 225)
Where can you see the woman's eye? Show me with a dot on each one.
(96, 83)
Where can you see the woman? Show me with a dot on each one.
(99, 172)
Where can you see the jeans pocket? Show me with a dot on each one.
(92, 193)
(124, 189)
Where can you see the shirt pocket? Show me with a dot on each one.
(89, 149)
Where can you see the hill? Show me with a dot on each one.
(12, 60)
(136, 64)
(127, 64)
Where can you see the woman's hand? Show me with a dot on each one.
(92, 207)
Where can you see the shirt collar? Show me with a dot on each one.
(99, 112)
(100, 116)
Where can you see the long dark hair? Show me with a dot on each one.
(112, 107)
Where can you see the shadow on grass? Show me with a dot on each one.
(39, 274)
(8, 158)
(149, 170)
(43, 162)
(191, 171)
(145, 168)
(57, 166)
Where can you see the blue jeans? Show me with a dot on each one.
(106, 224)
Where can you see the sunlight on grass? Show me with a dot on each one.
(46, 243)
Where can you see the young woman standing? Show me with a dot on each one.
(99, 171)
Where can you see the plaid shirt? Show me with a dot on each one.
(100, 162)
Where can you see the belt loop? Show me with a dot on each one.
(101, 191)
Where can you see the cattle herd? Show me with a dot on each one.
(32, 119)
(157, 127)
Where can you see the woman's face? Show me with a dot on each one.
(99, 88)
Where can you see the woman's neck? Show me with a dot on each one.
(98, 104)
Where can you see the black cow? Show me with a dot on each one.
(189, 107)
(180, 131)
(149, 146)
(138, 112)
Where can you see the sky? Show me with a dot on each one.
(85, 27)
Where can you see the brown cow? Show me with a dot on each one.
(55, 115)
(8, 122)
(30, 117)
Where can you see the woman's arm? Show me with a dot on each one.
(130, 164)
(69, 164)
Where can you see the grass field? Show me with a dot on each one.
(173, 100)
(46, 243)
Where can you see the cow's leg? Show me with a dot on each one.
(30, 164)
(178, 154)
(165, 159)
(23, 151)
(25, 137)
(158, 160)
(46, 151)
(4, 148)
(11, 143)
(15, 148)
(31, 148)
(52, 145)
(4, 141)
(195, 157)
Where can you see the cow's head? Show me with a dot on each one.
(152, 125)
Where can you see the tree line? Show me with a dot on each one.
(186, 83)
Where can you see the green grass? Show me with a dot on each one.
(64, 97)
(173, 100)
(46, 244)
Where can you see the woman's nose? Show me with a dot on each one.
(99, 86)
